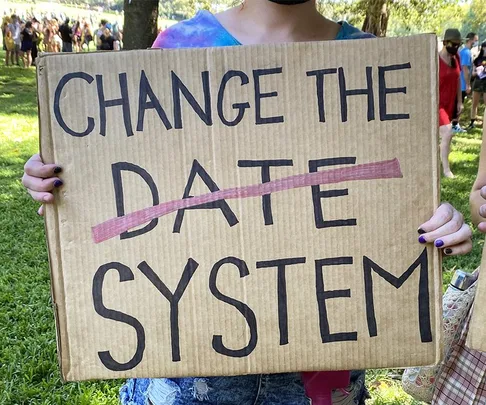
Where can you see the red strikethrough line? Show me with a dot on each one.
(370, 171)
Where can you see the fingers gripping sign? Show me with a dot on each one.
(447, 231)
(482, 211)
(41, 180)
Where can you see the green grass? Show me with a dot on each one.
(29, 371)
(28, 364)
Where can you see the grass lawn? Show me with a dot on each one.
(28, 363)
(28, 360)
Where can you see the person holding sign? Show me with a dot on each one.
(450, 101)
(255, 22)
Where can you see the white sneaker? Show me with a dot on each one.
(457, 129)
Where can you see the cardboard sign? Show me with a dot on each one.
(243, 210)
(476, 337)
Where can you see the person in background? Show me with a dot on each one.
(107, 41)
(87, 35)
(118, 35)
(5, 22)
(472, 41)
(479, 85)
(99, 32)
(14, 28)
(48, 39)
(27, 38)
(9, 46)
(450, 94)
(37, 33)
(56, 38)
(76, 36)
(466, 73)
(67, 36)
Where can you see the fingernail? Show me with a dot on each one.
(448, 251)
(422, 240)
(58, 170)
(421, 231)
(58, 183)
(439, 243)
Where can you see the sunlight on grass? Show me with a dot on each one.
(469, 141)
(390, 393)
(459, 157)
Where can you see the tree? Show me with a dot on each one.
(376, 19)
(340, 10)
(376, 15)
(182, 9)
(140, 25)
(417, 13)
(175, 9)
(447, 16)
(476, 18)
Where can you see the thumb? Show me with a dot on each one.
(482, 227)
(483, 192)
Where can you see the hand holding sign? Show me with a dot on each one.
(447, 230)
(40, 179)
(482, 211)
(285, 235)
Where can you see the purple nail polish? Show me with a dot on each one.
(422, 240)
(58, 183)
(439, 243)
(421, 231)
(448, 251)
(58, 170)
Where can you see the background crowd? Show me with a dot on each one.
(24, 37)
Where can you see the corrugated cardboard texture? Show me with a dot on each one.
(341, 301)
(476, 338)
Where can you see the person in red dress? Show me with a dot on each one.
(450, 95)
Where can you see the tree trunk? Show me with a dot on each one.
(140, 25)
(377, 15)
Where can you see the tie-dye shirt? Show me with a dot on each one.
(204, 30)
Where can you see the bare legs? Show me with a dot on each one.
(14, 55)
(27, 58)
(446, 134)
(475, 104)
